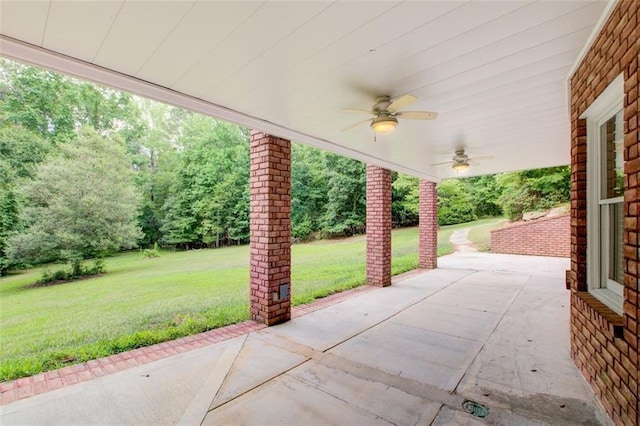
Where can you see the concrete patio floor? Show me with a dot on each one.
(489, 328)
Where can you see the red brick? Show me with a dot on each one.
(378, 226)
(5, 386)
(97, 371)
(38, 378)
(8, 397)
(270, 228)
(40, 387)
(25, 391)
(55, 383)
(84, 375)
(23, 382)
(428, 225)
(542, 237)
(609, 363)
(69, 379)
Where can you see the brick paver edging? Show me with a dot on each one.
(25, 387)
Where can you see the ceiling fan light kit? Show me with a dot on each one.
(460, 167)
(384, 124)
(386, 112)
(461, 161)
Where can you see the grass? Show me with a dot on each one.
(480, 235)
(145, 301)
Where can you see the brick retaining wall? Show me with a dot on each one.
(548, 236)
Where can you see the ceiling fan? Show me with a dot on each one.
(386, 112)
(461, 161)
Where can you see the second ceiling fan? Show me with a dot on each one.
(386, 112)
(460, 162)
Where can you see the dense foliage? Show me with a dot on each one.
(190, 177)
(20, 152)
(454, 203)
(77, 271)
(533, 190)
(80, 204)
(208, 204)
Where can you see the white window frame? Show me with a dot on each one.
(601, 110)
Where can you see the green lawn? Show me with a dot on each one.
(145, 301)
(480, 235)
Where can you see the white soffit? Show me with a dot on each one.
(494, 70)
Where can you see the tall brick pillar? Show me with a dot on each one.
(378, 226)
(428, 219)
(270, 228)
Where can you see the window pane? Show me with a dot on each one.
(616, 230)
(612, 143)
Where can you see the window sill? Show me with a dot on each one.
(610, 299)
(608, 320)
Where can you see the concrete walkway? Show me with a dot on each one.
(460, 240)
(488, 328)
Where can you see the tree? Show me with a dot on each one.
(308, 190)
(530, 190)
(20, 152)
(82, 204)
(454, 203)
(484, 192)
(346, 207)
(54, 106)
(209, 204)
(153, 149)
(9, 213)
(405, 199)
(38, 100)
(104, 109)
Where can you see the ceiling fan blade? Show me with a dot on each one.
(417, 115)
(355, 125)
(358, 111)
(443, 163)
(401, 102)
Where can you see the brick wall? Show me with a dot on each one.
(270, 228)
(378, 226)
(428, 225)
(604, 345)
(548, 236)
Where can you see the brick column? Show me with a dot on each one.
(378, 226)
(428, 251)
(270, 228)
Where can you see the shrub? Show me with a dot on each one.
(151, 253)
(517, 200)
(76, 272)
(531, 190)
(302, 231)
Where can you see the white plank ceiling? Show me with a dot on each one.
(495, 71)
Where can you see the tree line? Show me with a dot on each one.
(87, 171)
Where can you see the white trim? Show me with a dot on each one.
(609, 298)
(606, 13)
(607, 201)
(610, 101)
(32, 54)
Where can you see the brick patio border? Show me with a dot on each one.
(26, 387)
